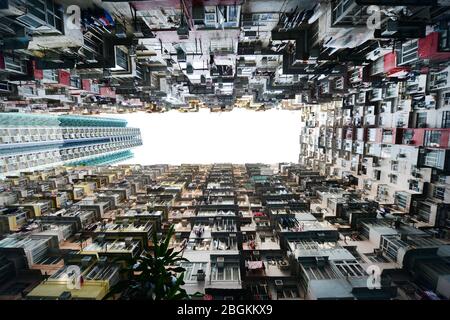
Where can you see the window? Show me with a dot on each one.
(14, 64)
(421, 121)
(210, 15)
(423, 211)
(230, 272)
(390, 245)
(439, 193)
(433, 159)
(382, 192)
(387, 136)
(264, 16)
(121, 59)
(372, 135)
(224, 243)
(445, 119)
(192, 269)
(401, 200)
(408, 136)
(232, 13)
(46, 11)
(409, 52)
(444, 39)
(432, 138)
(414, 185)
(393, 178)
(442, 179)
(394, 165)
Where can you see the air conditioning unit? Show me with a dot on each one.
(250, 34)
(189, 68)
(445, 99)
(66, 295)
(320, 261)
(279, 284)
(12, 7)
(32, 22)
(283, 265)
(201, 275)
(128, 241)
(183, 32)
(86, 261)
(102, 261)
(100, 238)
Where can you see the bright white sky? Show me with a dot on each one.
(239, 136)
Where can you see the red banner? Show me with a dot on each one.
(38, 74)
(107, 92)
(86, 83)
(64, 77)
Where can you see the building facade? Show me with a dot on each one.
(33, 141)
(254, 231)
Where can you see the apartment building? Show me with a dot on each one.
(32, 141)
(247, 231)
(388, 133)
(367, 204)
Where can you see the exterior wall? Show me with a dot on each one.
(35, 141)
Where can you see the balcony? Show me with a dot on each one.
(267, 265)
(435, 158)
(260, 241)
(435, 138)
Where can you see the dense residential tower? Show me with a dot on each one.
(367, 204)
(254, 231)
(33, 141)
